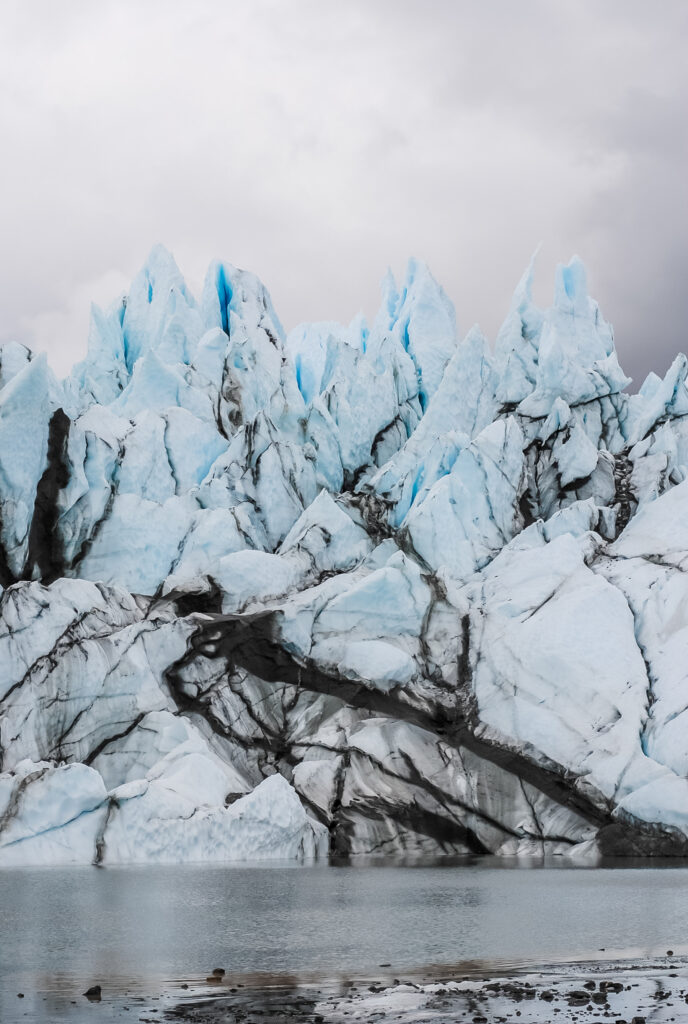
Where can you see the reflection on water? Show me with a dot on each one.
(61, 929)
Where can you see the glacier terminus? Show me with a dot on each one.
(352, 590)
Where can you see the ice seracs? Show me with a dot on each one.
(350, 590)
(28, 403)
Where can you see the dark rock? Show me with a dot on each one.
(93, 993)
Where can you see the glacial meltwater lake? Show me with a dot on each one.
(142, 929)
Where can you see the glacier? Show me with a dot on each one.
(347, 591)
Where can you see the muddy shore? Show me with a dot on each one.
(633, 993)
(637, 991)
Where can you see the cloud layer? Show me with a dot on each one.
(315, 142)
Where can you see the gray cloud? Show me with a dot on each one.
(315, 142)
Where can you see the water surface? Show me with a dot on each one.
(137, 928)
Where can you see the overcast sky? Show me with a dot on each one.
(317, 142)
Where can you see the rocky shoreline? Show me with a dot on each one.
(624, 992)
